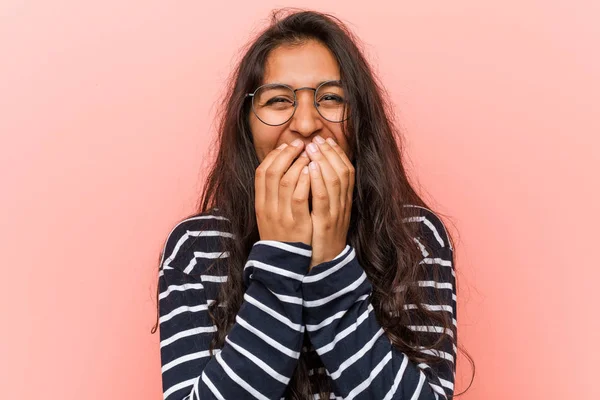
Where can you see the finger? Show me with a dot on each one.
(339, 166)
(260, 173)
(300, 197)
(273, 173)
(351, 172)
(288, 184)
(343, 156)
(320, 196)
(330, 177)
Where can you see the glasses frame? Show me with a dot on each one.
(315, 103)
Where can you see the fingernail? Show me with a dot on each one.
(331, 142)
(312, 148)
(313, 165)
(305, 170)
(297, 143)
(303, 154)
(319, 139)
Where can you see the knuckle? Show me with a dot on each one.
(270, 173)
(335, 181)
(286, 183)
(326, 225)
(321, 195)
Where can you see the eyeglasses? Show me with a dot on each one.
(275, 103)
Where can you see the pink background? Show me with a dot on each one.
(105, 116)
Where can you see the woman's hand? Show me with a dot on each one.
(281, 195)
(332, 184)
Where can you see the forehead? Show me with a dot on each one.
(306, 64)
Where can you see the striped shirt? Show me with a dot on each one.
(286, 311)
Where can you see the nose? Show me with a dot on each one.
(306, 120)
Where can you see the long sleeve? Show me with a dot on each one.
(358, 356)
(261, 349)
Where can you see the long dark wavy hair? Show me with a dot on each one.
(384, 245)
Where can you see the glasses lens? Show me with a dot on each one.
(273, 104)
(331, 102)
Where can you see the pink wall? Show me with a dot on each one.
(105, 116)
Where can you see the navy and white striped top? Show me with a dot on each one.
(283, 303)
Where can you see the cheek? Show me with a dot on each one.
(265, 137)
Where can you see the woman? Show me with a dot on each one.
(312, 267)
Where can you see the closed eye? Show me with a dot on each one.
(278, 100)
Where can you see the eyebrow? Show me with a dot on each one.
(337, 82)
